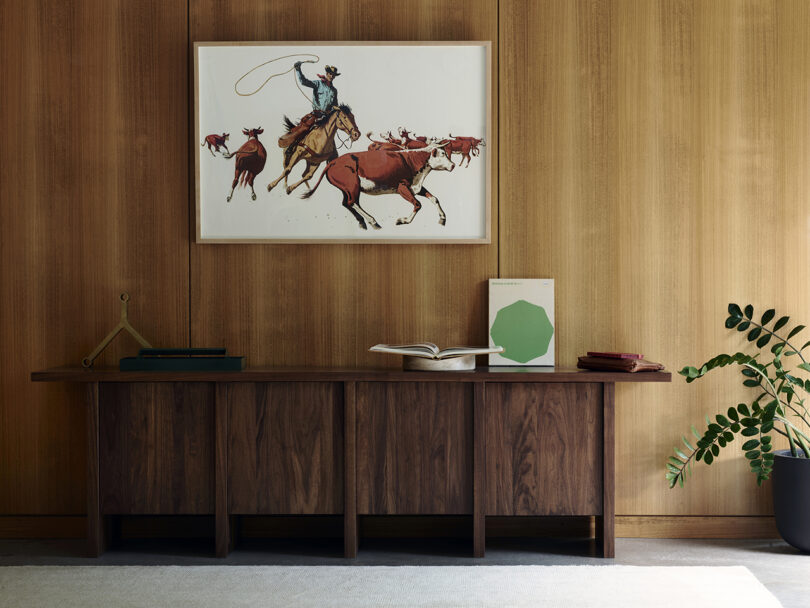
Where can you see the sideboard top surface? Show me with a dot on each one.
(282, 374)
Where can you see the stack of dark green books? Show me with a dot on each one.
(182, 360)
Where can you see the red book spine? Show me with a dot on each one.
(615, 355)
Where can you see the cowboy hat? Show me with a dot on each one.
(330, 69)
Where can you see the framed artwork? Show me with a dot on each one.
(342, 142)
(521, 320)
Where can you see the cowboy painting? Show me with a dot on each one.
(324, 98)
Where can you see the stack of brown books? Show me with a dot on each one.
(617, 362)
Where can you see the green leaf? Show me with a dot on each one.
(707, 458)
(722, 420)
(732, 414)
(766, 427)
(734, 310)
(751, 382)
(795, 330)
(751, 455)
(680, 454)
(804, 366)
(735, 428)
(686, 443)
(806, 344)
(715, 450)
(742, 326)
(754, 334)
(695, 432)
(763, 340)
(729, 436)
(767, 316)
(750, 444)
(749, 310)
(721, 442)
(781, 323)
(743, 409)
(750, 431)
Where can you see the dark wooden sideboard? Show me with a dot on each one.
(489, 442)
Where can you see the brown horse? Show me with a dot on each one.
(317, 146)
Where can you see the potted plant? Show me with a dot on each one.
(778, 408)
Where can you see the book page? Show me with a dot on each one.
(424, 349)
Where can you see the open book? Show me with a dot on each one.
(428, 350)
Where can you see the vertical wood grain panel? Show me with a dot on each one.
(93, 191)
(350, 539)
(414, 448)
(285, 448)
(326, 304)
(669, 179)
(156, 445)
(543, 449)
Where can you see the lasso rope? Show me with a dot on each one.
(236, 84)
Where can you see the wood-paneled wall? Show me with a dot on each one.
(652, 158)
(93, 202)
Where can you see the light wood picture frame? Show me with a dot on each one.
(343, 142)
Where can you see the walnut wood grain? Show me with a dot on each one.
(285, 448)
(156, 448)
(223, 536)
(284, 374)
(350, 539)
(479, 469)
(414, 448)
(95, 520)
(544, 449)
(606, 529)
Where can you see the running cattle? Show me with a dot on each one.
(217, 141)
(386, 172)
(463, 146)
(250, 159)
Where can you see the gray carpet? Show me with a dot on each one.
(784, 571)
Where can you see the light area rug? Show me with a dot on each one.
(381, 587)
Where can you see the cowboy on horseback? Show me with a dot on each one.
(324, 99)
(313, 138)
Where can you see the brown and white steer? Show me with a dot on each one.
(217, 141)
(250, 159)
(376, 172)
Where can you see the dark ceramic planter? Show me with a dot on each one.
(791, 498)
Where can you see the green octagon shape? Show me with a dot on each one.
(524, 331)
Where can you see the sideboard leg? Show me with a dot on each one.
(222, 522)
(96, 540)
(349, 471)
(605, 524)
(479, 471)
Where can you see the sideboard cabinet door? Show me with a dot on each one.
(285, 448)
(156, 452)
(543, 448)
(414, 448)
